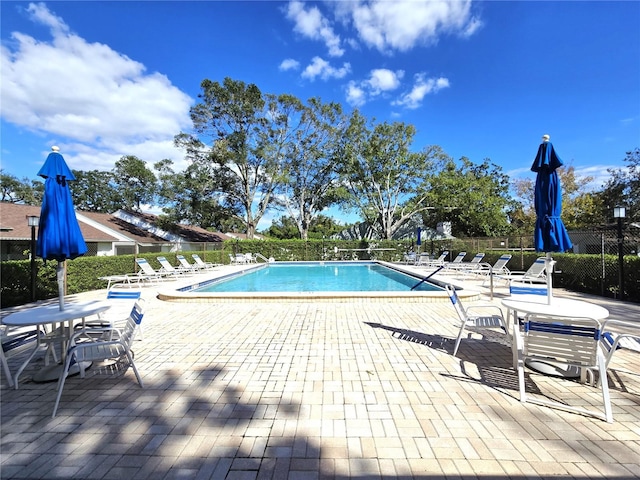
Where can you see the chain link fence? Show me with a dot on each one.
(602, 273)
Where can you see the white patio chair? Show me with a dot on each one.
(122, 301)
(114, 344)
(620, 334)
(409, 258)
(250, 258)
(237, 259)
(571, 342)
(475, 317)
(14, 342)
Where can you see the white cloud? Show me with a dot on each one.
(289, 64)
(96, 101)
(382, 80)
(356, 96)
(321, 68)
(401, 25)
(312, 24)
(421, 88)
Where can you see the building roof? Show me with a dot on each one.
(189, 233)
(14, 224)
(132, 232)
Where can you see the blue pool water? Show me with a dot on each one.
(319, 277)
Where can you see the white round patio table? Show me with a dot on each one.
(51, 314)
(559, 307)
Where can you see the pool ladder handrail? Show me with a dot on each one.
(262, 257)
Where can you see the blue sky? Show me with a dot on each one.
(480, 79)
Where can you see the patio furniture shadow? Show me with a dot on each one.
(491, 356)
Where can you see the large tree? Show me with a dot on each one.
(13, 190)
(386, 181)
(581, 208)
(311, 182)
(234, 134)
(191, 196)
(135, 183)
(473, 197)
(95, 191)
(623, 188)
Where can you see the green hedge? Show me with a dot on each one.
(580, 273)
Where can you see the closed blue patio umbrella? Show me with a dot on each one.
(59, 235)
(550, 233)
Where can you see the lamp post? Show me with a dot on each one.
(33, 222)
(620, 213)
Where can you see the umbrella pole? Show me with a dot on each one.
(549, 269)
(60, 276)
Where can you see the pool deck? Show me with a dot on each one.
(310, 390)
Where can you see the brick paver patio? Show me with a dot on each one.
(316, 390)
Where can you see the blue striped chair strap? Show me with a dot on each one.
(20, 339)
(528, 291)
(123, 294)
(563, 329)
(137, 315)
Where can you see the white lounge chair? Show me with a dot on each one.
(115, 346)
(498, 268)
(149, 272)
(171, 270)
(202, 264)
(475, 317)
(466, 266)
(184, 263)
(571, 342)
(425, 261)
(535, 273)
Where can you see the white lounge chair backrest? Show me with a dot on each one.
(477, 258)
(200, 262)
(146, 267)
(459, 258)
(536, 270)
(573, 342)
(475, 316)
(185, 263)
(501, 264)
(166, 265)
(117, 344)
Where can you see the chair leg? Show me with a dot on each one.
(63, 377)
(135, 369)
(608, 414)
(455, 348)
(5, 367)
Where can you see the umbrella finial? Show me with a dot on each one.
(55, 148)
(545, 138)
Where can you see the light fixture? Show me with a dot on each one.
(619, 212)
(33, 220)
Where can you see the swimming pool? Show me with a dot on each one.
(319, 277)
(188, 290)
